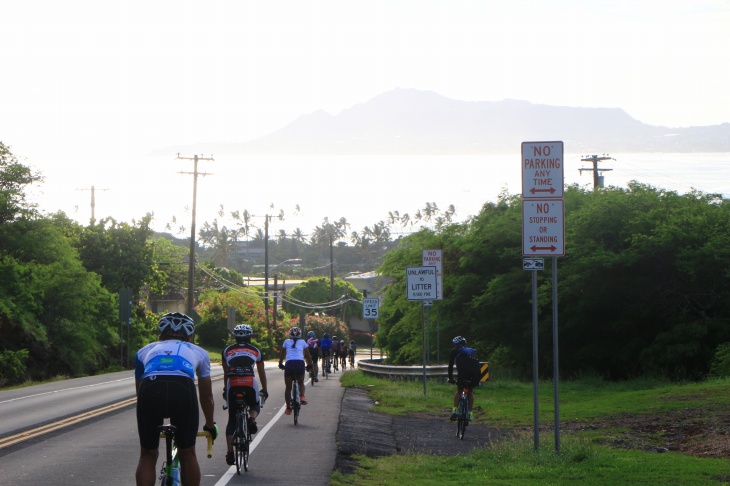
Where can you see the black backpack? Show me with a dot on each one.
(467, 363)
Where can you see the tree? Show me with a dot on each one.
(314, 296)
(14, 177)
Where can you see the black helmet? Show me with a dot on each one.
(176, 323)
(326, 336)
(459, 340)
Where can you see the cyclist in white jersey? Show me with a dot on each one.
(295, 351)
(165, 379)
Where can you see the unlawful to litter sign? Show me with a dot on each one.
(543, 229)
(421, 283)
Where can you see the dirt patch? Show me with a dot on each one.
(364, 431)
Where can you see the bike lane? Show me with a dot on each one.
(284, 453)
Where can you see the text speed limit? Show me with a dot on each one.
(370, 308)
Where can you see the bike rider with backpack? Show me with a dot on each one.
(325, 345)
(468, 373)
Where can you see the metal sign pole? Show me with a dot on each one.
(556, 368)
(536, 418)
(423, 345)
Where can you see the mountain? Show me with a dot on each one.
(409, 121)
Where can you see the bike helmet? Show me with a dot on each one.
(459, 340)
(242, 331)
(352, 342)
(326, 336)
(342, 341)
(334, 338)
(311, 334)
(295, 332)
(174, 323)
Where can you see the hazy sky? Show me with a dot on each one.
(89, 87)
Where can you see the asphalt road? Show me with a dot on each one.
(104, 450)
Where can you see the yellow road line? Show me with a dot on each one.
(59, 424)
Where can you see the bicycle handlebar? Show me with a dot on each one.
(202, 433)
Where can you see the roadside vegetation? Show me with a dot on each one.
(600, 440)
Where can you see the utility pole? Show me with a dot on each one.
(266, 269)
(595, 159)
(191, 266)
(93, 200)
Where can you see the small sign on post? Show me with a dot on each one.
(370, 308)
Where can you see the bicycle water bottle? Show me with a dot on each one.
(176, 476)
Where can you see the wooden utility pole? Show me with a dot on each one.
(595, 159)
(93, 200)
(191, 265)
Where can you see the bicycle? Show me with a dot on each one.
(352, 360)
(343, 358)
(326, 367)
(335, 363)
(242, 434)
(462, 419)
(312, 375)
(170, 471)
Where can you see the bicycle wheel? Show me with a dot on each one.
(295, 404)
(325, 369)
(246, 441)
(238, 440)
(312, 376)
(463, 419)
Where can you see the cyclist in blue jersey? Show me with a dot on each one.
(165, 379)
(325, 346)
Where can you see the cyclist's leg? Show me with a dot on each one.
(149, 417)
(189, 467)
(287, 389)
(300, 379)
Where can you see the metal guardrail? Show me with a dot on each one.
(375, 367)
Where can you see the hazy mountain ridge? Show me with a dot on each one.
(408, 121)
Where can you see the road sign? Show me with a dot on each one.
(433, 258)
(543, 230)
(542, 170)
(533, 264)
(370, 308)
(421, 283)
(484, 375)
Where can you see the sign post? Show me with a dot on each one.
(433, 258)
(421, 285)
(543, 234)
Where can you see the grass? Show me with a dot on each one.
(582, 458)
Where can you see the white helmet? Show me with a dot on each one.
(242, 331)
(175, 322)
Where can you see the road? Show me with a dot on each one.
(104, 449)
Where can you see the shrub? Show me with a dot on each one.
(720, 366)
(13, 367)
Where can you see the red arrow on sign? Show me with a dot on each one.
(551, 248)
(551, 190)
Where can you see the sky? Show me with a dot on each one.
(89, 88)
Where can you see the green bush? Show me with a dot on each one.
(13, 367)
(720, 366)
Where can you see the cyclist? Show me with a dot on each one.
(325, 346)
(343, 353)
(351, 350)
(313, 345)
(240, 381)
(468, 373)
(164, 376)
(335, 352)
(295, 352)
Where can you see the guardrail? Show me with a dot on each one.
(375, 367)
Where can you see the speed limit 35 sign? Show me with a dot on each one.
(370, 308)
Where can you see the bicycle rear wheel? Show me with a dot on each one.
(463, 419)
(240, 442)
(295, 403)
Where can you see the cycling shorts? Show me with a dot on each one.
(325, 353)
(294, 368)
(173, 397)
(468, 381)
(314, 353)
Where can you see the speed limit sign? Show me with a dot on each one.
(370, 308)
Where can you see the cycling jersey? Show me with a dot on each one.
(325, 343)
(313, 343)
(171, 358)
(294, 350)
